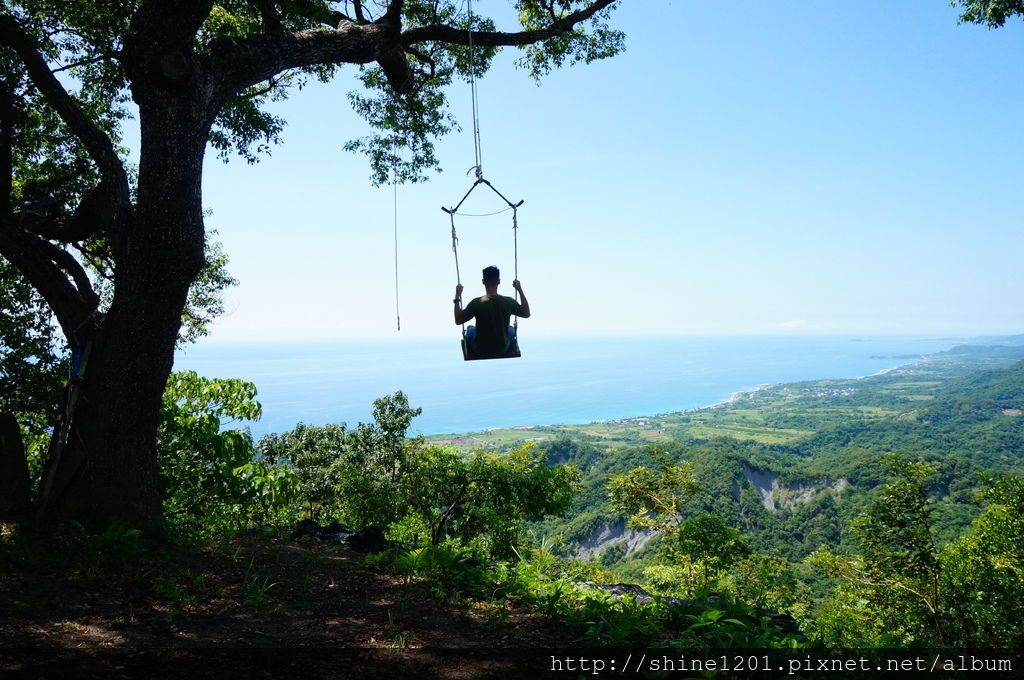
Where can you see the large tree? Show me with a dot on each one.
(196, 73)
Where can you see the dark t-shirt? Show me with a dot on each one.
(492, 313)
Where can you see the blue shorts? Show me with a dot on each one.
(471, 337)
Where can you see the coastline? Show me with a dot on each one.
(777, 412)
(559, 381)
(633, 420)
(742, 394)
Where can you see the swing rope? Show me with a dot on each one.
(455, 246)
(398, 316)
(455, 249)
(472, 88)
(490, 214)
(515, 257)
(478, 168)
(514, 207)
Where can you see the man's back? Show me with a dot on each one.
(491, 336)
(492, 313)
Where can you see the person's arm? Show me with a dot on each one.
(458, 304)
(523, 302)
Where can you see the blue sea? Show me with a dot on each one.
(557, 381)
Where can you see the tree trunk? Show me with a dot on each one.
(109, 469)
(14, 479)
(107, 472)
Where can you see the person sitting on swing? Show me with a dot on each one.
(492, 336)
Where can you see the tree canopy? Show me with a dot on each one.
(118, 251)
(990, 13)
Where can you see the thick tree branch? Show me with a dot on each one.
(96, 143)
(271, 20)
(396, 70)
(247, 61)
(44, 265)
(158, 45)
(166, 22)
(460, 36)
(357, 7)
(392, 61)
(241, 62)
(95, 210)
(393, 16)
(64, 260)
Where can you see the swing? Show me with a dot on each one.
(513, 348)
(512, 353)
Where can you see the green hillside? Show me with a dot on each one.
(791, 465)
(874, 512)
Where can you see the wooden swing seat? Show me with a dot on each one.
(512, 353)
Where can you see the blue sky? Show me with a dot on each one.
(745, 167)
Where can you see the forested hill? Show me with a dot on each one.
(778, 519)
(791, 465)
(975, 417)
(999, 388)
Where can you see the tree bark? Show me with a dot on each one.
(108, 470)
(14, 479)
(110, 466)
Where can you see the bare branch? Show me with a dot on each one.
(424, 57)
(85, 62)
(98, 260)
(861, 576)
(271, 84)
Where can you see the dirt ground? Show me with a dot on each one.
(258, 608)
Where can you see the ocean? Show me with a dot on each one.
(557, 381)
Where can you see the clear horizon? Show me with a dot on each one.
(938, 335)
(558, 380)
(837, 168)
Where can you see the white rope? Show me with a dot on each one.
(472, 89)
(462, 214)
(398, 316)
